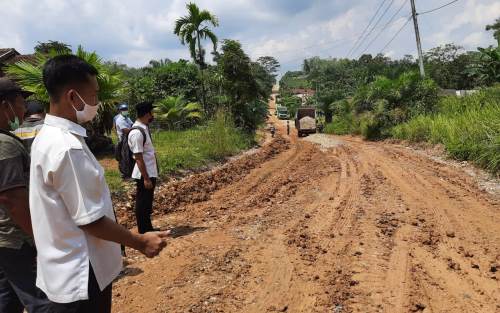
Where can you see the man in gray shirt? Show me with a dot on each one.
(17, 251)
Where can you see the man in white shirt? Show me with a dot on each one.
(122, 121)
(145, 170)
(74, 227)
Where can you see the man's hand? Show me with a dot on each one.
(153, 243)
(148, 184)
(150, 244)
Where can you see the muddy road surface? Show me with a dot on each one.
(322, 224)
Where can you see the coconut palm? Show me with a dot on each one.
(177, 113)
(30, 77)
(192, 29)
(111, 87)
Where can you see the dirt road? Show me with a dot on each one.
(340, 226)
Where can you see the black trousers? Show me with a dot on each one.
(144, 205)
(17, 282)
(98, 301)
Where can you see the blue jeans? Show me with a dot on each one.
(17, 282)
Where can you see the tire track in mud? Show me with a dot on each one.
(360, 227)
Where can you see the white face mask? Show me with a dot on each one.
(88, 113)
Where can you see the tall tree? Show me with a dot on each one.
(495, 27)
(192, 29)
(270, 64)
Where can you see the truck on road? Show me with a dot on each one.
(305, 121)
(282, 113)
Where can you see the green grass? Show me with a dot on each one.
(113, 179)
(195, 147)
(340, 125)
(468, 127)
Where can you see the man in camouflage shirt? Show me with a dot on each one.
(17, 251)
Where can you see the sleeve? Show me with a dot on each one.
(136, 141)
(121, 123)
(80, 186)
(11, 166)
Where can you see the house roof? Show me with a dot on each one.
(30, 58)
(7, 53)
(303, 91)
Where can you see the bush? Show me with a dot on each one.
(195, 147)
(468, 127)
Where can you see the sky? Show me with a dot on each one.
(135, 32)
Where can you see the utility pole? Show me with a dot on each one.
(417, 35)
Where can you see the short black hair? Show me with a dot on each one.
(143, 108)
(9, 97)
(64, 70)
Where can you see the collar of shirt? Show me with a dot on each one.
(65, 124)
(139, 123)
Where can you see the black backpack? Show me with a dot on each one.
(124, 155)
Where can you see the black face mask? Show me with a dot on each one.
(151, 119)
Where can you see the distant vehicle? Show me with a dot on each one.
(282, 113)
(305, 121)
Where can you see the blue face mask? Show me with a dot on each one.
(124, 113)
(13, 124)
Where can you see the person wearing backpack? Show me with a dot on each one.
(145, 171)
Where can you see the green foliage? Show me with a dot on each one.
(293, 80)
(52, 46)
(177, 113)
(197, 146)
(468, 127)
(111, 86)
(388, 102)
(446, 64)
(495, 27)
(160, 80)
(292, 103)
(193, 27)
(246, 97)
(486, 67)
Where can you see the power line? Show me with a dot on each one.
(384, 27)
(366, 28)
(376, 24)
(301, 58)
(395, 35)
(438, 8)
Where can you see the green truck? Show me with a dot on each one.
(282, 113)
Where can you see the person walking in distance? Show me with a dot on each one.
(145, 171)
(76, 235)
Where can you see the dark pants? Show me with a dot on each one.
(17, 282)
(98, 302)
(144, 206)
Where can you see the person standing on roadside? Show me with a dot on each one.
(123, 123)
(33, 122)
(145, 170)
(17, 251)
(75, 231)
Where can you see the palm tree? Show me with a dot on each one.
(191, 29)
(177, 113)
(111, 86)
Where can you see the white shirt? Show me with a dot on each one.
(137, 145)
(122, 122)
(67, 190)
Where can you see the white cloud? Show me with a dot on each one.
(475, 39)
(134, 32)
